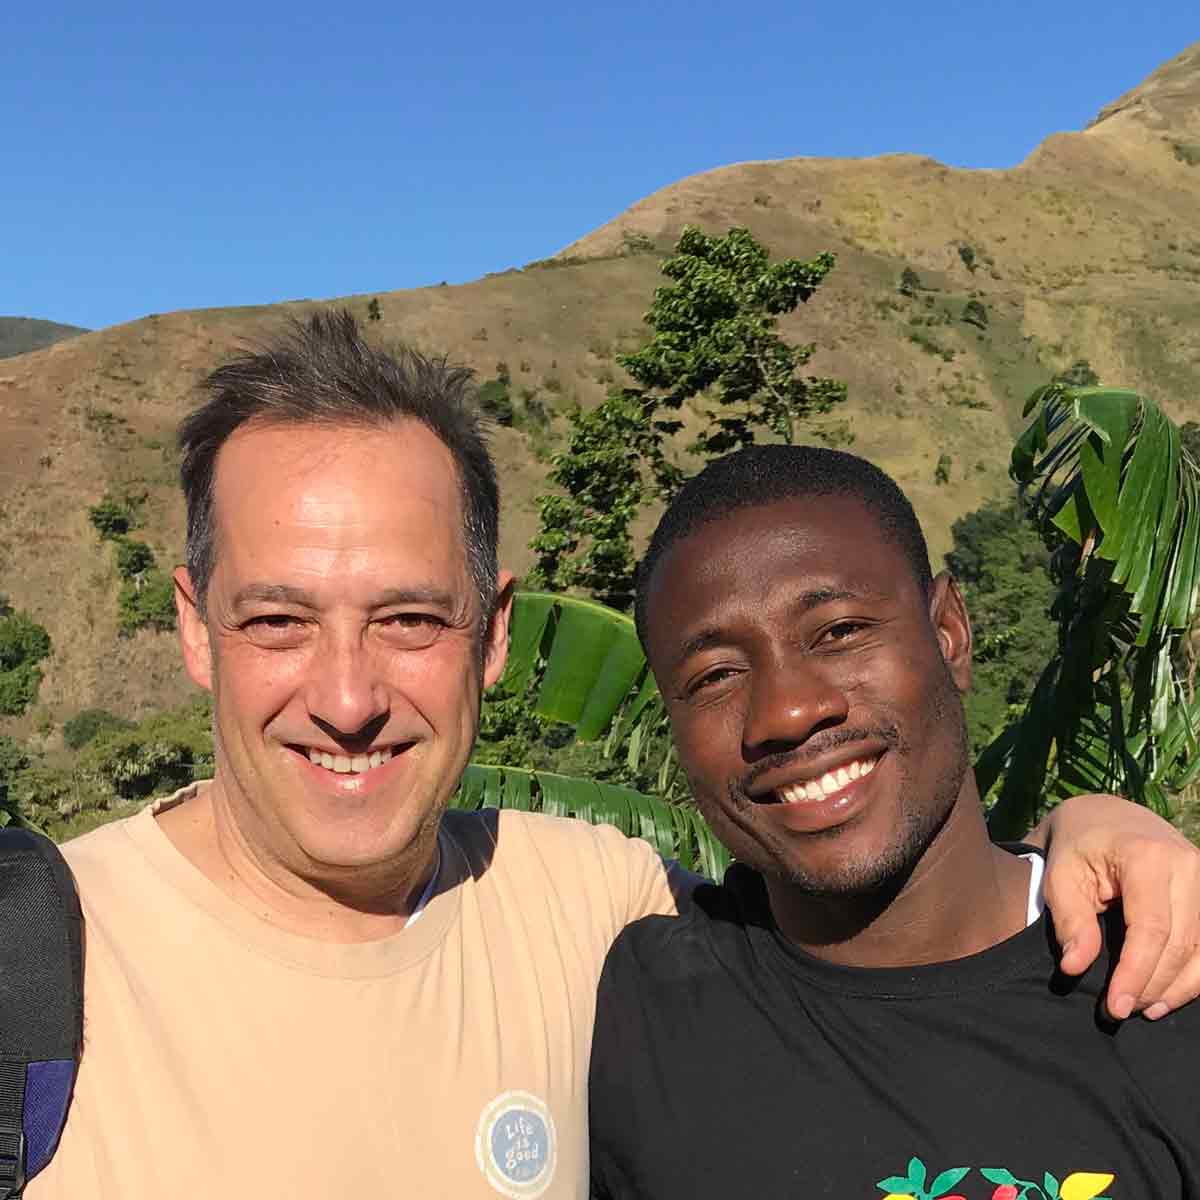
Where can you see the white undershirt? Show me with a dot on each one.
(1037, 900)
(414, 916)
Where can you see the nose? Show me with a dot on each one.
(787, 704)
(346, 694)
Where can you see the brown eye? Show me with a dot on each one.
(412, 631)
(274, 629)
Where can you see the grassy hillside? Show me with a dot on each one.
(19, 335)
(1090, 249)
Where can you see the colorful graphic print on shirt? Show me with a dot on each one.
(1078, 1185)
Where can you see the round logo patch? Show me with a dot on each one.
(514, 1145)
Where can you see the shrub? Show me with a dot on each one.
(910, 282)
(974, 313)
(113, 517)
(23, 644)
(495, 401)
(158, 755)
(941, 473)
(19, 688)
(87, 725)
(967, 254)
(133, 558)
(1078, 374)
(146, 602)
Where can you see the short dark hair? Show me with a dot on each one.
(322, 372)
(759, 475)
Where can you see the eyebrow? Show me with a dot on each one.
(714, 635)
(282, 593)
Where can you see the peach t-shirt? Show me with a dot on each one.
(223, 1057)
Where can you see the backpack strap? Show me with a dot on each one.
(41, 1003)
(12, 1128)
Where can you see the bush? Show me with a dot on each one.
(494, 400)
(158, 755)
(133, 558)
(23, 644)
(941, 473)
(146, 602)
(910, 282)
(974, 313)
(87, 725)
(22, 640)
(113, 518)
(1078, 374)
(19, 689)
(967, 254)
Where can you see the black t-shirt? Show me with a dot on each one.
(729, 1063)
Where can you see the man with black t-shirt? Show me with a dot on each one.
(870, 1004)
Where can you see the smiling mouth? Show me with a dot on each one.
(350, 764)
(830, 784)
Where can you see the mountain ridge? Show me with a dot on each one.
(1089, 249)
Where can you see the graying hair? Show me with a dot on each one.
(322, 372)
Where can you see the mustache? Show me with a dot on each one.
(889, 734)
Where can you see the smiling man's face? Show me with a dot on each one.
(342, 643)
(814, 690)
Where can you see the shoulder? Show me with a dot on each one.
(711, 930)
(102, 852)
(568, 856)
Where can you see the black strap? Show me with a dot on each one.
(12, 1128)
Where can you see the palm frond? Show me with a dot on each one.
(674, 830)
(1118, 499)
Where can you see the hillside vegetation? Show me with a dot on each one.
(955, 291)
(19, 335)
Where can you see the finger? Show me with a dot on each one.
(1183, 990)
(1179, 954)
(1074, 908)
(1147, 946)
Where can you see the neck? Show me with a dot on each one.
(963, 896)
(364, 905)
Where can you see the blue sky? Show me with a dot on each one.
(237, 154)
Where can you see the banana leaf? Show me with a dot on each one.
(1118, 500)
(676, 831)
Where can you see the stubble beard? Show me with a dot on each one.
(881, 874)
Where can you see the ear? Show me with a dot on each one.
(948, 616)
(495, 636)
(193, 631)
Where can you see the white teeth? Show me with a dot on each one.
(344, 764)
(829, 783)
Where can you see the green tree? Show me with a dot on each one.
(374, 311)
(713, 335)
(1003, 567)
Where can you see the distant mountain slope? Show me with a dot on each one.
(1089, 249)
(19, 335)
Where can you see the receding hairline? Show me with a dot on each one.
(269, 422)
